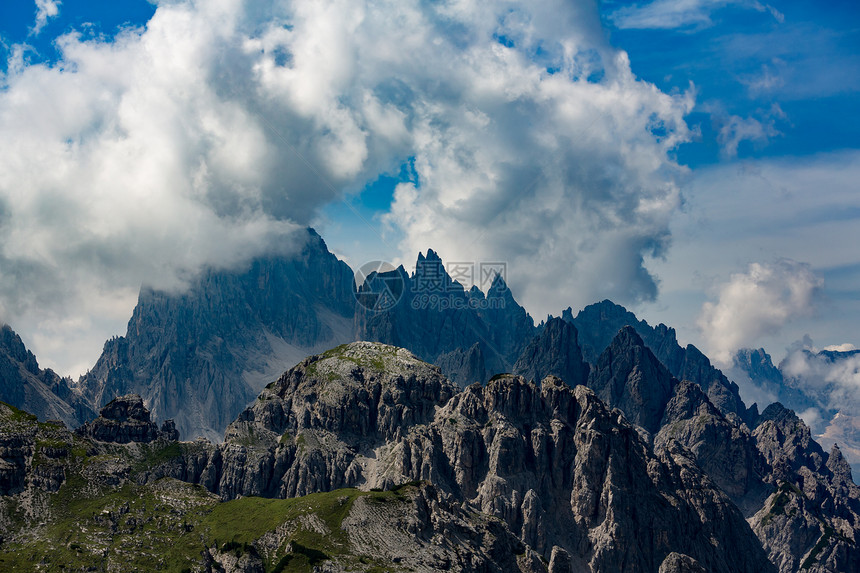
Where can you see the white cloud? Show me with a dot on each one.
(733, 129)
(754, 303)
(844, 347)
(45, 9)
(672, 14)
(208, 136)
(561, 178)
(769, 80)
(811, 416)
(737, 129)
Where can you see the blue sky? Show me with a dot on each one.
(681, 158)
(744, 60)
(93, 18)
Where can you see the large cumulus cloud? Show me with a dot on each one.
(209, 135)
(757, 302)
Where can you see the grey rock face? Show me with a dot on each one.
(202, 356)
(677, 563)
(724, 450)
(462, 366)
(803, 510)
(560, 561)
(628, 376)
(42, 392)
(812, 519)
(553, 352)
(22, 440)
(435, 533)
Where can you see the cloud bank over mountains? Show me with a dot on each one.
(209, 135)
(834, 379)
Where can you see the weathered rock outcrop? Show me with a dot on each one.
(464, 366)
(724, 450)
(124, 420)
(677, 563)
(32, 453)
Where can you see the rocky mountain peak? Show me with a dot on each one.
(724, 450)
(757, 363)
(555, 351)
(628, 376)
(431, 256)
(125, 408)
(778, 414)
(839, 466)
(787, 443)
(688, 402)
(202, 355)
(24, 385)
(437, 319)
(365, 390)
(11, 344)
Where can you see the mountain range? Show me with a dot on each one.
(444, 420)
(822, 385)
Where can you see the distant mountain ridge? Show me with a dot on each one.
(806, 381)
(441, 322)
(43, 392)
(199, 357)
(598, 324)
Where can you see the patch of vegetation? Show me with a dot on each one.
(18, 416)
(158, 453)
(167, 525)
(500, 376)
(404, 486)
(777, 507)
(243, 521)
(51, 443)
(823, 542)
(92, 527)
(376, 360)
